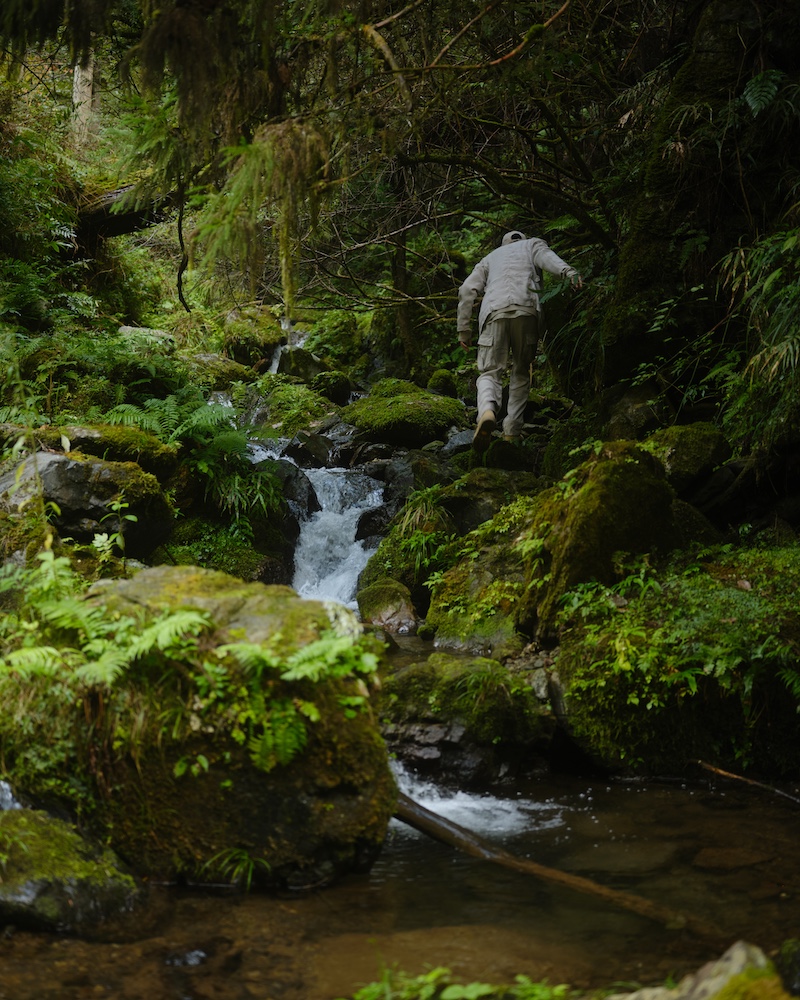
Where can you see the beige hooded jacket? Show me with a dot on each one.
(510, 278)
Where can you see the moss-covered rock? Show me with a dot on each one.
(421, 538)
(216, 373)
(247, 751)
(462, 718)
(387, 603)
(115, 443)
(688, 660)
(688, 452)
(84, 489)
(443, 383)
(252, 336)
(335, 386)
(512, 572)
(55, 880)
(399, 412)
(289, 407)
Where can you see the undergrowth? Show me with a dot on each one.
(81, 682)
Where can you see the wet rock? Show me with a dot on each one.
(464, 720)
(302, 364)
(728, 858)
(309, 450)
(387, 604)
(55, 880)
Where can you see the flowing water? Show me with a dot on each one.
(328, 559)
(728, 855)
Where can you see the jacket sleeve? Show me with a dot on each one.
(548, 260)
(467, 293)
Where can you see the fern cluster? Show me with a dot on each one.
(57, 643)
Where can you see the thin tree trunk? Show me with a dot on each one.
(457, 836)
(82, 103)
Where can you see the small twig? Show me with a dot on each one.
(749, 781)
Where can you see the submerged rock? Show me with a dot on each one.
(467, 721)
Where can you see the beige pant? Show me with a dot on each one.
(500, 339)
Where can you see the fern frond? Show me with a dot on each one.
(283, 737)
(760, 92)
(103, 671)
(35, 661)
(168, 632)
(203, 420)
(249, 655)
(130, 415)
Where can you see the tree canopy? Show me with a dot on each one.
(366, 154)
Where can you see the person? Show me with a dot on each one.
(510, 279)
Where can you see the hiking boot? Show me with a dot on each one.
(482, 437)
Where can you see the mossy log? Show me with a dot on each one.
(447, 832)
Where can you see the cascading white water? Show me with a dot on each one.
(484, 814)
(7, 800)
(328, 559)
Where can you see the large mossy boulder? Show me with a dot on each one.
(512, 572)
(237, 742)
(81, 492)
(466, 720)
(55, 880)
(400, 413)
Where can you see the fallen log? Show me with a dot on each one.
(422, 819)
(749, 781)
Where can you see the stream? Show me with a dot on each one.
(725, 853)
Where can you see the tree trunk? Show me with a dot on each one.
(82, 101)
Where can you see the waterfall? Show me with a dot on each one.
(7, 800)
(328, 559)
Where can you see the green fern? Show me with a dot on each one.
(281, 739)
(761, 91)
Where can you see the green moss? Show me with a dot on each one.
(36, 846)
(252, 336)
(753, 984)
(443, 383)
(198, 541)
(149, 758)
(399, 412)
(493, 705)
(292, 407)
(652, 678)
(688, 451)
